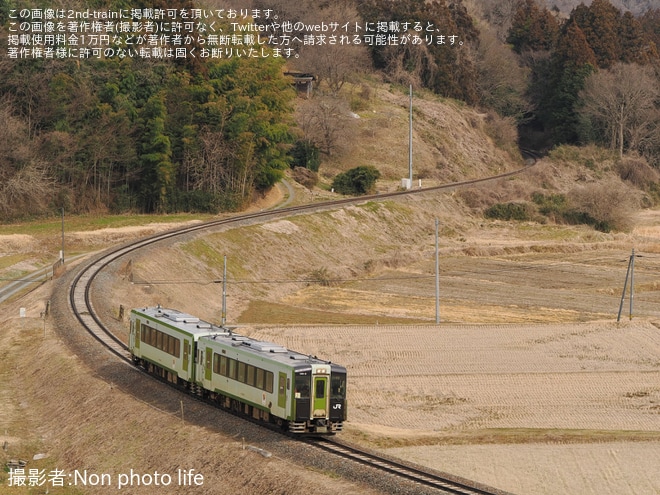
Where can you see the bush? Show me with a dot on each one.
(305, 177)
(553, 206)
(305, 154)
(356, 181)
(637, 171)
(606, 206)
(510, 211)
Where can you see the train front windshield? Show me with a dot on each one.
(338, 386)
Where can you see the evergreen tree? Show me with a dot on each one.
(600, 24)
(158, 171)
(447, 70)
(572, 62)
(532, 28)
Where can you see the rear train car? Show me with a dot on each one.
(163, 341)
(265, 381)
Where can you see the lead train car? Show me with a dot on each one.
(266, 381)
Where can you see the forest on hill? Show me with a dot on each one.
(635, 7)
(206, 133)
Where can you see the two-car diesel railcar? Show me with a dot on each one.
(259, 379)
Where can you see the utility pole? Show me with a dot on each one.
(62, 252)
(410, 143)
(437, 275)
(632, 279)
(224, 294)
(629, 272)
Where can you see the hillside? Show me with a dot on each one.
(522, 308)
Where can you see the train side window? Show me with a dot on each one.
(153, 337)
(270, 380)
(242, 375)
(232, 369)
(159, 340)
(177, 348)
(223, 365)
(216, 363)
(250, 375)
(260, 379)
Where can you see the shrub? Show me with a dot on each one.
(510, 211)
(606, 206)
(305, 154)
(321, 276)
(305, 177)
(553, 206)
(637, 171)
(356, 181)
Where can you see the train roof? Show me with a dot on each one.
(183, 321)
(225, 336)
(269, 350)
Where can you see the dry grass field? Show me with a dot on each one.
(537, 408)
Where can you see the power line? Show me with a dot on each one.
(281, 281)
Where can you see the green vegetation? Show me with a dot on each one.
(509, 211)
(206, 134)
(356, 181)
(305, 154)
(141, 135)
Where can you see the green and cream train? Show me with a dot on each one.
(266, 381)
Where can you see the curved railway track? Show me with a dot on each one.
(424, 478)
(80, 302)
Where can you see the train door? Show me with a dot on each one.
(198, 367)
(302, 391)
(209, 361)
(131, 336)
(320, 396)
(186, 352)
(281, 390)
(135, 334)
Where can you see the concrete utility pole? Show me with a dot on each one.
(62, 252)
(224, 294)
(437, 275)
(410, 144)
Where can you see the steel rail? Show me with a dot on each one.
(444, 483)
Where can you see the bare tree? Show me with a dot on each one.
(622, 103)
(499, 14)
(325, 122)
(331, 56)
(25, 185)
(502, 81)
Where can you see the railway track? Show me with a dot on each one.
(443, 483)
(80, 302)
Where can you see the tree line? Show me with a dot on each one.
(156, 136)
(142, 135)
